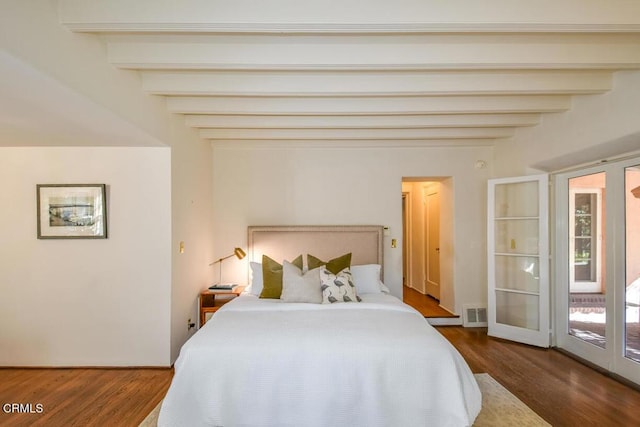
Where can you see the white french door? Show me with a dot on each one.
(597, 246)
(518, 259)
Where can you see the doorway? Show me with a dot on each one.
(598, 266)
(427, 247)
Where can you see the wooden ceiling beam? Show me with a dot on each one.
(360, 134)
(362, 122)
(325, 106)
(390, 83)
(395, 52)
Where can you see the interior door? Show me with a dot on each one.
(433, 244)
(518, 259)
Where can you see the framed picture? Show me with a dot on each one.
(72, 211)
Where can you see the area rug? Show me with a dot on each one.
(500, 408)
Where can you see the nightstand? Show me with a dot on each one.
(211, 301)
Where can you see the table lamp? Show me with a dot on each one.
(237, 252)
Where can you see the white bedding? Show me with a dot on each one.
(267, 363)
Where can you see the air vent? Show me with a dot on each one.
(475, 316)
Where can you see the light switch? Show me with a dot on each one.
(394, 243)
(181, 247)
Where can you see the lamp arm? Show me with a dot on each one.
(221, 259)
(237, 252)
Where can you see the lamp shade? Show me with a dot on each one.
(238, 252)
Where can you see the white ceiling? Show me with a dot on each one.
(335, 71)
(31, 113)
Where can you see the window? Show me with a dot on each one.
(585, 239)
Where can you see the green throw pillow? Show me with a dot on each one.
(272, 276)
(335, 265)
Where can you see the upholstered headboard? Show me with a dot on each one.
(365, 242)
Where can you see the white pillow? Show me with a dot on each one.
(383, 288)
(256, 278)
(300, 287)
(337, 287)
(367, 279)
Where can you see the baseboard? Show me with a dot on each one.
(444, 321)
(448, 311)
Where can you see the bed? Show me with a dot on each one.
(277, 362)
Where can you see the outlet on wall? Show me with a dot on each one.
(190, 325)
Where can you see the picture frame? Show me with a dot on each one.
(72, 211)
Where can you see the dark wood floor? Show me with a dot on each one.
(560, 389)
(428, 306)
(82, 397)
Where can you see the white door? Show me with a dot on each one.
(432, 246)
(518, 259)
(601, 322)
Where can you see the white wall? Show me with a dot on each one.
(597, 127)
(256, 185)
(86, 302)
(31, 34)
(190, 223)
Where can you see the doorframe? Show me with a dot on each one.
(447, 238)
(406, 237)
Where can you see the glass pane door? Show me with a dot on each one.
(598, 265)
(632, 283)
(518, 260)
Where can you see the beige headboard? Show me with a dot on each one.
(365, 242)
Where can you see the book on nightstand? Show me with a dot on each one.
(223, 287)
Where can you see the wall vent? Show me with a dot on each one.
(474, 316)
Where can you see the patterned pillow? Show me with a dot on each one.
(337, 287)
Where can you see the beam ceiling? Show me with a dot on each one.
(339, 73)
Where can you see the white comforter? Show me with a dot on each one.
(269, 363)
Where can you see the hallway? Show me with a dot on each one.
(428, 306)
